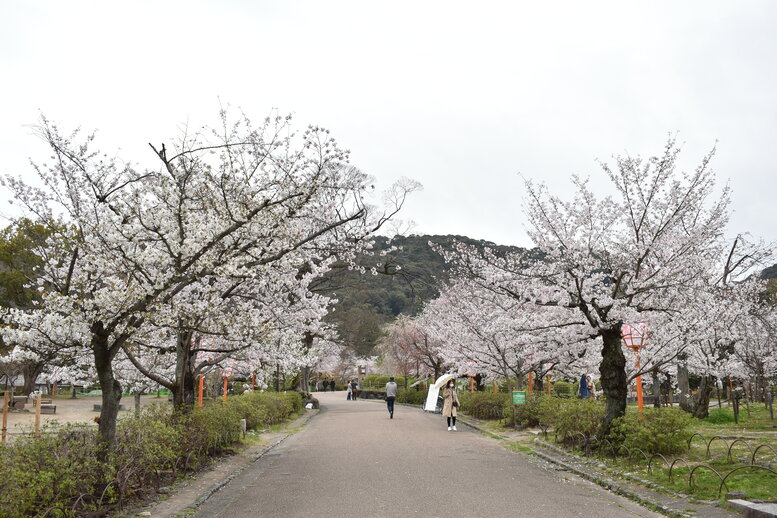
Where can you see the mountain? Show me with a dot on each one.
(366, 302)
(770, 272)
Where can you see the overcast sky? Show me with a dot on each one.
(462, 97)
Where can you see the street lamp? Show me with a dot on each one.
(635, 338)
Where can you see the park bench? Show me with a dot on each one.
(47, 408)
(18, 402)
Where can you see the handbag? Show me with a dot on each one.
(455, 404)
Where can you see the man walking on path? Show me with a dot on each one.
(391, 396)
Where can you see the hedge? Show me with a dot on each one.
(485, 405)
(58, 474)
(656, 430)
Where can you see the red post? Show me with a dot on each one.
(472, 383)
(54, 388)
(199, 395)
(547, 382)
(225, 388)
(639, 385)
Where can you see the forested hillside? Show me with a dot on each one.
(367, 301)
(770, 272)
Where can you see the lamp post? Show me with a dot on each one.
(635, 337)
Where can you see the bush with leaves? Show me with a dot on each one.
(411, 396)
(46, 475)
(720, 416)
(539, 410)
(58, 474)
(565, 388)
(575, 416)
(656, 430)
(484, 405)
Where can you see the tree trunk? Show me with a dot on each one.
(304, 379)
(698, 405)
(612, 370)
(111, 389)
(30, 371)
(656, 388)
(137, 404)
(537, 382)
(184, 386)
(683, 386)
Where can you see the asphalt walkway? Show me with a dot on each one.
(351, 460)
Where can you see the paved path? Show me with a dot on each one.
(351, 460)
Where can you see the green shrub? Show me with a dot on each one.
(48, 474)
(575, 416)
(657, 430)
(484, 405)
(59, 472)
(144, 446)
(374, 381)
(564, 389)
(720, 416)
(411, 396)
(539, 410)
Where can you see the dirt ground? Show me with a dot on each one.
(69, 410)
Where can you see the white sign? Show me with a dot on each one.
(434, 392)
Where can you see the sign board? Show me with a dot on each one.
(434, 392)
(519, 397)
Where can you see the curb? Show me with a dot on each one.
(465, 422)
(226, 480)
(606, 484)
(611, 486)
(619, 474)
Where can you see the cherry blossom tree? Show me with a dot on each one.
(409, 346)
(609, 260)
(494, 334)
(226, 203)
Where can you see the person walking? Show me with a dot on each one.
(333, 384)
(450, 404)
(391, 396)
(354, 389)
(326, 385)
